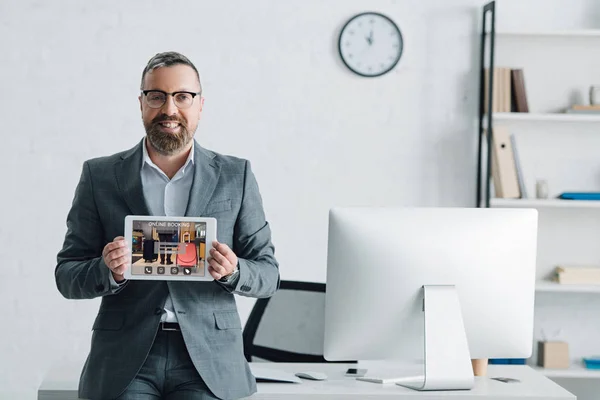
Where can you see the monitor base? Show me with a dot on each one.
(447, 358)
(410, 380)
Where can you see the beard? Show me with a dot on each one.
(166, 143)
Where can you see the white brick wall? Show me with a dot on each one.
(276, 93)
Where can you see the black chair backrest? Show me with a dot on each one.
(289, 326)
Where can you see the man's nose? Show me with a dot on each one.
(169, 107)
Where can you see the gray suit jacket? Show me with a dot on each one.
(109, 189)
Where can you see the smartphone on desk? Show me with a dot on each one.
(356, 372)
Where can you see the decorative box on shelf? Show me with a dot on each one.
(553, 354)
(592, 362)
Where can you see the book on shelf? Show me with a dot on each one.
(519, 99)
(579, 196)
(577, 275)
(504, 167)
(519, 169)
(584, 109)
(509, 93)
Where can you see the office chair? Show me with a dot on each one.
(289, 326)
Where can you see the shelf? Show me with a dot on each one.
(544, 203)
(539, 117)
(574, 371)
(553, 287)
(564, 33)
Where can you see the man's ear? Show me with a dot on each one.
(140, 99)
(201, 107)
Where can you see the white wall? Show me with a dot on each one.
(276, 93)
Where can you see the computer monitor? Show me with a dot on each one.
(435, 286)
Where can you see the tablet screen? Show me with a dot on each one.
(168, 248)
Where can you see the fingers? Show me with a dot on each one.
(214, 273)
(117, 262)
(222, 260)
(219, 257)
(224, 250)
(120, 270)
(117, 255)
(221, 247)
(120, 252)
(118, 243)
(219, 268)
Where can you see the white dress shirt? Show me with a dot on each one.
(167, 197)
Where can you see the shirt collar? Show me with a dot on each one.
(147, 160)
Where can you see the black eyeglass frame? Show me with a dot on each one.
(172, 94)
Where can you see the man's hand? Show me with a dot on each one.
(117, 258)
(222, 260)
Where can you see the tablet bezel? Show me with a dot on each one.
(211, 235)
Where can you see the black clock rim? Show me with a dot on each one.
(393, 65)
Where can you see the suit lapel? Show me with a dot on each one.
(129, 180)
(206, 176)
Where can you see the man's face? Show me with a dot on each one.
(169, 128)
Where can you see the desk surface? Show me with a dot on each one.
(61, 383)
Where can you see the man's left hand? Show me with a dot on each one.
(222, 260)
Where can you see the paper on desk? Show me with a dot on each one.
(266, 374)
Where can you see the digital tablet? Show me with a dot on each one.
(169, 248)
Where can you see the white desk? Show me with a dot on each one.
(61, 383)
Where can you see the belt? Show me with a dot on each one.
(170, 326)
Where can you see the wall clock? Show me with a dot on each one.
(370, 44)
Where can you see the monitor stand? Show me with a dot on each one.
(447, 357)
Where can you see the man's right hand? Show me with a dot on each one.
(117, 258)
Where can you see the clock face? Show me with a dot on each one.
(370, 44)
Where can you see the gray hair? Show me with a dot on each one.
(168, 59)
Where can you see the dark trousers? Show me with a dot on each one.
(168, 373)
(165, 237)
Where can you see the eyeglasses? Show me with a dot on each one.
(157, 98)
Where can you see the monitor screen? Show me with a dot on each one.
(380, 260)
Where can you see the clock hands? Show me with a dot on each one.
(370, 38)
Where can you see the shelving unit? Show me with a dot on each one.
(564, 33)
(549, 117)
(488, 40)
(575, 371)
(564, 149)
(553, 287)
(543, 203)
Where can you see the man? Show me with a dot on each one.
(179, 340)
